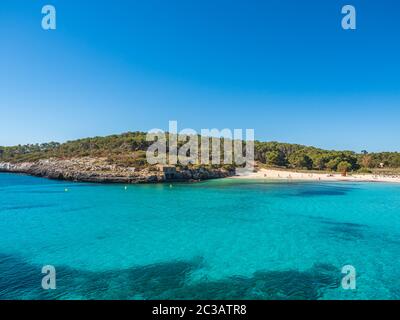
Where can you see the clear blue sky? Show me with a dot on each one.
(282, 67)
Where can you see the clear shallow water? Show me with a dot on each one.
(222, 239)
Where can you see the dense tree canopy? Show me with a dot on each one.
(129, 149)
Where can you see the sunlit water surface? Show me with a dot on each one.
(221, 239)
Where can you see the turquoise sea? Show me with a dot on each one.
(221, 239)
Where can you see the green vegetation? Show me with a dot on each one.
(296, 156)
(128, 149)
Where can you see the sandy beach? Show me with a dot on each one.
(275, 174)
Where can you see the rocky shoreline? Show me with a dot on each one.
(97, 170)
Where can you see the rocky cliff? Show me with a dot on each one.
(98, 170)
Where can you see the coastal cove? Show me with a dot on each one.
(207, 156)
(98, 171)
(218, 239)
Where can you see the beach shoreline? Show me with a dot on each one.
(287, 175)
